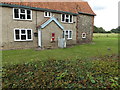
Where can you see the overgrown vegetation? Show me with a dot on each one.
(100, 72)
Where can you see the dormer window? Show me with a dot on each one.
(66, 18)
(47, 14)
(22, 14)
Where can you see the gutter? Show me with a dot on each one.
(35, 8)
(87, 14)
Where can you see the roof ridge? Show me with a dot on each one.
(72, 7)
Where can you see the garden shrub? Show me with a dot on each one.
(100, 72)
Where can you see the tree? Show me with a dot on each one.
(98, 30)
(108, 31)
(117, 30)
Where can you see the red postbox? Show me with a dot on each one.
(53, 37)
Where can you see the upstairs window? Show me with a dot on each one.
(22, 14)
(66, 18)
(22, 34)
(67, 34)
(47, 14)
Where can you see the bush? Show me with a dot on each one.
(99, 72)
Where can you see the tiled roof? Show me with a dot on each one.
(73, 7)
(42, 22)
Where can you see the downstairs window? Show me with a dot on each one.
(83, 35)
(67, 34)
(22, 34)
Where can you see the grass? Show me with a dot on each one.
(103, 44)
(112, 35)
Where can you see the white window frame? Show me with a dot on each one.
(23, 34)
(83, 36)
(19, 9)
(66, 18)
(68, 34)
(49, 14)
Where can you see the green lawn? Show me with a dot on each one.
(100, 46)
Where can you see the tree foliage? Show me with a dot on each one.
(117, 30)
(101, 30)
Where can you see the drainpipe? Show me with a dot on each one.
(92, 27)
(36, 21)
(77, 29)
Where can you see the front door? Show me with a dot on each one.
(39, 38)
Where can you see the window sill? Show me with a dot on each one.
(47, 16)
(23, 40)
(83, 38)
(67, 22)
(69, 38)
(22, 19)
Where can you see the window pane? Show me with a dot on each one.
(63, 34)
(16, 10)
(28, 12)
(45, 13)
(71, 18)
(67, 20)
(22, 31)
(83, 35)
(23, 37)
(17, 34)
(49, 13)
(66, 32)
(22, 16)
(16, 13)
(70, 34)
(29, 34)
(28, 16)
(22, 10)
(66, 36)
(63, 17)
(67, 16)
(17, 37)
